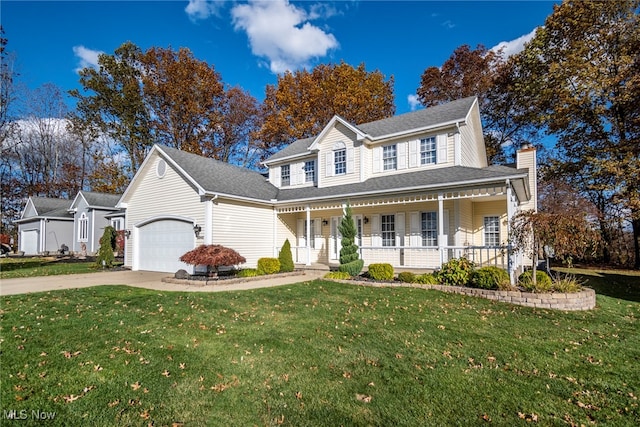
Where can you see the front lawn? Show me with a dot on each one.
(11, 268)
(623, 284)
(315, 354)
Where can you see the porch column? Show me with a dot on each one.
(208, 222)
(441, 236)
(510, 213)
(308, 237)
(275, 232)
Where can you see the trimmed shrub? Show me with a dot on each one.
(491, 277)
(268, 266)
(247, 272)
(285, 258)
(456, 272)
(381, 272)
(427, 279)
(567, 284)
(543, 281)
(339, 275)
(352, 268)
(107, 246)
(407, 277)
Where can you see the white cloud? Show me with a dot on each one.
(514, 46)
(282, 33)
(88, 57)
(203, 9)
(414, 104)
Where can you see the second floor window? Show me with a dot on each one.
(389, 157)
(285, 175)
(429, 227)
(428, 150)
(388, 230)
(310, 171)
(340, 161)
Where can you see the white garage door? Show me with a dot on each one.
(29, 242)
(162, 243)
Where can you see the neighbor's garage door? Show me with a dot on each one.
(162, 243)
(29, 243)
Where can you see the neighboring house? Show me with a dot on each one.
(92, 212)
(418, 184)
(44, 226)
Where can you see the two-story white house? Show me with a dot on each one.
(418, 184)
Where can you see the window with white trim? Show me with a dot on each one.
(340, 161)
(116, 224)
(83, 228)
(428, 150)
(389, 157)
(285, 175)
(310, 171)
(429, 228)
(492, 231)
(388, 223)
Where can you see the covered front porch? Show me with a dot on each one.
(419, 231)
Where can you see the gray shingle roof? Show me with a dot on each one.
(432, 116)
(50, 207)
(444, 177)
(101, 199)
(221, 177)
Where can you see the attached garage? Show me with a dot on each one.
(162, 242)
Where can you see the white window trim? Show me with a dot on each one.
(83, 228)
(486, 232)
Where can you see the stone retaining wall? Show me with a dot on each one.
(583, 300)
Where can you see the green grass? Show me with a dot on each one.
(11, 268)
(622, 284)
(315, 354)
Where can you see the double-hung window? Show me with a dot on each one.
(310, 171)
(340, 161)
(389, 157)
(285, 175)
(428, 150)
(83, 228)
(388, 223)
(429, 227)
(491, 231)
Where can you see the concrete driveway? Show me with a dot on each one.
(141, 279)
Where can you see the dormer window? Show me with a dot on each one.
(340, 161)
(285, 175)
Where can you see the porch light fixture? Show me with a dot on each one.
(197, 229)
(325, 222)
(127, 233)
(366, 220)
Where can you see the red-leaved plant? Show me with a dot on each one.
(213, 256)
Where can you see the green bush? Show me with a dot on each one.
(381, 272)
(339, 275)
(247, 272)
(352, 268)
(543, 281)
(107, 246)
(285, 258)
(407, 277)
(427, 279)
(491, 277)
(456, 272)
(567, 284)
(268, 266)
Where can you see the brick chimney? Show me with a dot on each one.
(526, 159)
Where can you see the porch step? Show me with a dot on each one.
(313, 266)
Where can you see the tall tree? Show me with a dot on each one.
(115, 102)
(584, 68)
(184, 96)
(303, 102)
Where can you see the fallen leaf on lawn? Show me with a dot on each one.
(97, 368)
(346, 374)
(145, 414)
(363, 398)
(441, 327)
(398, 356)
(298, 395)
(166, 373)
(486, 418)
(182, 366)
(114, 403)
(71, 398)
(136, 385)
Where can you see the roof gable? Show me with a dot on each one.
(96, 200)
(46, 207)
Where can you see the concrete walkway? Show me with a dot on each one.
(143, 279)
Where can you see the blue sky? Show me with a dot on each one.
(249, 43)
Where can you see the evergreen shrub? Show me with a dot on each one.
(381, 271)
(285, 258)
(268, 266)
